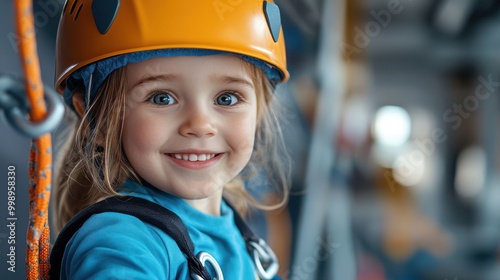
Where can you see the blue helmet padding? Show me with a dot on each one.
(101, 69)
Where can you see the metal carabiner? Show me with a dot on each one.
(264, 259)
(206, 257)
(14, 105)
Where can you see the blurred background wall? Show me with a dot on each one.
(392, 123)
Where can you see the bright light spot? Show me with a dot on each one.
(410, 167)
(471, 172)
(392, 126)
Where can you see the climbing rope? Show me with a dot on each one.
(42, 120)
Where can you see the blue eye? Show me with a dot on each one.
(162, 98)
(226, 99)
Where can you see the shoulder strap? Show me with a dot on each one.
(144, 210)
(263, 257)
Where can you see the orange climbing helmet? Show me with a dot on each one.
(95, 30)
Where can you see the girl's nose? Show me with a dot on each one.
(198, 124)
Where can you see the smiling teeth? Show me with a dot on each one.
(194, 157)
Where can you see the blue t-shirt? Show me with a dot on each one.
(118, 246)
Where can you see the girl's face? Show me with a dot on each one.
(190, 122)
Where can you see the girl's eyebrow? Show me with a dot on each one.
(156, 78)
(228, 79)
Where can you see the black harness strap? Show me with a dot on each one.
(144, 210)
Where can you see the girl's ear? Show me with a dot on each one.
(78, 103)
(79, 106)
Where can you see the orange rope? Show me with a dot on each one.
(40, 168)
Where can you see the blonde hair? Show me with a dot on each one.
(93, 164)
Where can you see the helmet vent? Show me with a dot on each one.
(104, 13)
(74, 6)
(78, 12)
(273, 18)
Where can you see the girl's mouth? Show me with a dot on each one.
(193, 157)
(195, 161)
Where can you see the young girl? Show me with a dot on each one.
(174, 100)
